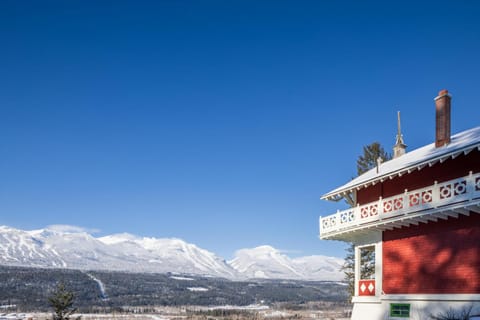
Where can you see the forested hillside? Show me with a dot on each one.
(29, 288)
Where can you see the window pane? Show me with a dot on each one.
(401, 310)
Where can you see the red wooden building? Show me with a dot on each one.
(419, 214)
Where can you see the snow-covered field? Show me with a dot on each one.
(252, 312)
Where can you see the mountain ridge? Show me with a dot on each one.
(77, 249)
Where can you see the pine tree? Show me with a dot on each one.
(369, 158)
(62, 301)
(367, 263)
(365, 162)
(348, 269)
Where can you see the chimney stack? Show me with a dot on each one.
(442, 118)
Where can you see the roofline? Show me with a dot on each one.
(337, 195)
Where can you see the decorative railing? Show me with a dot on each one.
(366, 287)
(440, 194)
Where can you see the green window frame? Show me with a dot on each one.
(400, 310)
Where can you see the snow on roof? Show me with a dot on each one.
(417, 159)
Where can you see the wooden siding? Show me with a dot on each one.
(436, 258)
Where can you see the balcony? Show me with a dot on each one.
(438, 201)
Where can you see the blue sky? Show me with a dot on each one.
(218, 122)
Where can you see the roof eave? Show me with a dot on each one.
(339, 194)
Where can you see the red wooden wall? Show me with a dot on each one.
(435, 258)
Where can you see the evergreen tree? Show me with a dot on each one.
(62, 301)
(367, 263)
(348, 269)
(365, 162)
(369, 158)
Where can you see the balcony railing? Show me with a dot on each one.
(464, 189)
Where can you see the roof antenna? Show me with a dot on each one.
(400, 148)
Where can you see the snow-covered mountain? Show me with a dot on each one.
(268, 262)
(170, 255)
(125, 252)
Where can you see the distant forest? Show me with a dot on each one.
(29, 288)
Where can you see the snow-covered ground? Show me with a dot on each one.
(181, 278)
(101, 286)
(197, 289)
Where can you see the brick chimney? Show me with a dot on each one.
(442, 118)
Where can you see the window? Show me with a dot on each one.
(367, 263)
(401, 310)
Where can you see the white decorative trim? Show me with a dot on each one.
(430, 297)
(438, 201)
(366, 299)
(379, 268)
(356, 269)
(417, 297)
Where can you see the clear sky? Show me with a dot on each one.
(218, 122)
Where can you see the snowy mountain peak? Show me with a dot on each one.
(264, 249)
(118, 238)
(264, 252)
(268, 262)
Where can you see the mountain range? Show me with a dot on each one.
(53, 248)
